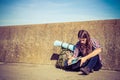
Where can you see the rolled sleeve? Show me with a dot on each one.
(95, 43)
(76, 51)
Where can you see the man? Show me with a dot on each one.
(88, 50)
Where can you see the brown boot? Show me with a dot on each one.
(85, 70)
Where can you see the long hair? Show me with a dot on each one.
(87, 48)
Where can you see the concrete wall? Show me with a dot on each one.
(34, 43)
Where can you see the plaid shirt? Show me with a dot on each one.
(95, 45)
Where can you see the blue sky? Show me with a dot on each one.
(22, 12)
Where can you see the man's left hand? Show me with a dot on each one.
(83, 60)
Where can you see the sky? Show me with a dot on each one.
(24, 12)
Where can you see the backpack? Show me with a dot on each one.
(62, 60)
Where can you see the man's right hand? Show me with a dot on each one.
(69, 61)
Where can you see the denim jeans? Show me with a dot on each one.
(93, 63)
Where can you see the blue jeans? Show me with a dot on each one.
(93, 63)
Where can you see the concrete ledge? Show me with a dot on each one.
(34, 43)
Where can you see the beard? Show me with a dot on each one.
(83, 45)
(83, 49)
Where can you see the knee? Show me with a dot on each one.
(95, 57)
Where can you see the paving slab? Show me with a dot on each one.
(21, 71)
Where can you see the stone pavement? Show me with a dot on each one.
(21, 71)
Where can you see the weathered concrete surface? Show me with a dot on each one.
(34, 43)
(49, 72)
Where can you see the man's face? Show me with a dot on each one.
(82, 40)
